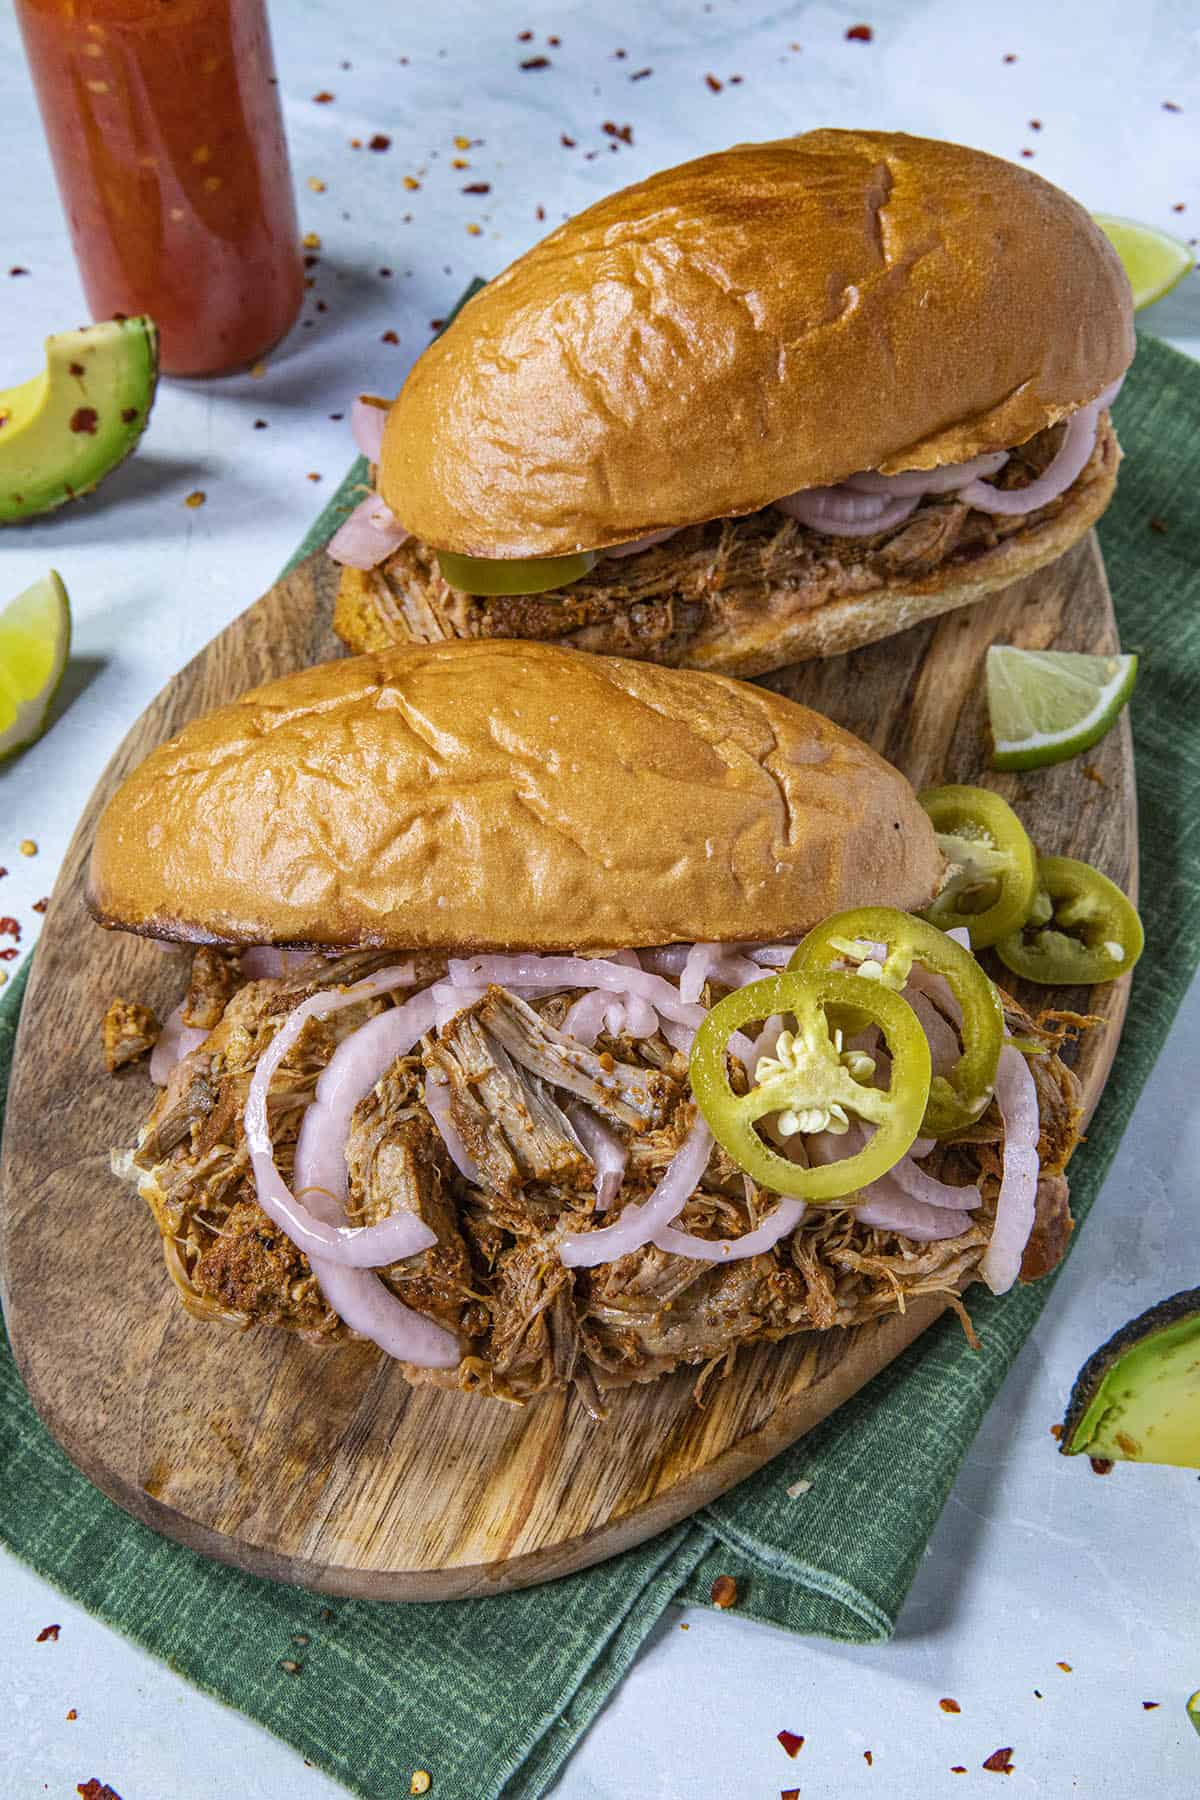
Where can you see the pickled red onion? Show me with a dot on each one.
(786, 1216)
(370, 534)
(437, 1105)
(943, 480)
(638, 1224)
(1016, 1206)
(367, 421)
(175, 1041)
(844, 514)
(1073, 453)
(605, 1149)
(637, 545)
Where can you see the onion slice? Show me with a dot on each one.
(367, 420)
(840, 513)
(636, 545)
(943, 480)
(776, 1225)
(175, 1041)
(1078, 443)
(1016, 1206)
(437, 1105)
(575, 972)
(604, 1147)
(370, 534)
(911, 1218)
(638, 1224)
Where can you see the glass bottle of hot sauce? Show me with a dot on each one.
(165, 129)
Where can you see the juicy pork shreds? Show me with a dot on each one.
(514, 1130)
(624, 1094)
(128, 1032)
(214, 978)
(526, 1323)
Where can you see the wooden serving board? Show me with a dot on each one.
(323, 1467)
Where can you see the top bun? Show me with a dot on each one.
(504, 795)
(771, 318)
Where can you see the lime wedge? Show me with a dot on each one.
(1047, 705)
(1155, 262)
(35, 636)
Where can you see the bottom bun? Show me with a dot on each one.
(741, 596)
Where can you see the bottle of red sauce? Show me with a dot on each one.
(164, 125)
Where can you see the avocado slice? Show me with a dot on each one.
(1137, 1399)
(64, 430)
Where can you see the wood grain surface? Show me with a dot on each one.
(323, 1467)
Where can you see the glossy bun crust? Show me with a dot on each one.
(505, 795)
(770, 318)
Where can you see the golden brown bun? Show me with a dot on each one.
(718, 611)
(771, 318)
(505, 795)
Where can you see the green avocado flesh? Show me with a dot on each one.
(69, 426)
(1138, 1398)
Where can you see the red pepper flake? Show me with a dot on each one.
(323, 98)
(356, 143)
(620, 55)
(389, 337)
(72, 1715)
(10, 928)
(714, 84)
(540, 214)
(380, 141)
(1101, 1465)
(96, 1790)
(736, 80)
(724, 1589)
(868, 1758)
(1035, 124)
(524, 37)
(196, 498)
(437, 324)
(950, 1706)
(959, 1768)
(1179, 207)
(568, 143)
(18, 270)
(478, 187)
(1151, 1705)
(1000, 1761)
(554, 42)
(640, 74)
(1056, 1431)
(791, 1743)
(860, 34)
(39, 906)
(623, 133)
(1065, 1667)
(1027, 153)
(1171, 106)
(412, 184)
(3, 872)
(7, 955)
(84, 420)
(312, 476)
(386, 274)
(48, 1633)
(789, 1794)
(536, 62)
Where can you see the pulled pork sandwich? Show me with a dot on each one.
(558, 1020)
(769, 405)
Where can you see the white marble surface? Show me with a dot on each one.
(1034, 1561)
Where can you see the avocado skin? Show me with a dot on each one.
(1088, 1422)
(94, 399)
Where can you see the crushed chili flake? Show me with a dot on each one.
(1101, 1465)
(84, 421)
(868, 1758)
(1000, 1761)
(1171, 106)
(411, 183)
(96, 1790)
(623, 133)
(312, 476)
(7, 955)
(568, 143)
(1150, 1705)
(620, 55)
(714, 84)
(789, 1794)
(540, 213)
(950, 1706)
(791, 1743)
(48, 1633)
(1065, 1667)
(10, 928)
(437, 324)
(1057, 1430)
(196, 498)
(39, 906)
(640, 74)
(315, 184)
(958, 1768)
(1179, 207)
(462, 143)
(1026, 152)
(72, 1715)
(27, 847)
(389, 337)
(524, 37)
(860, 34)
(1035, 124)
(379, 141)
(536, 62)
(260, 424)
(478, 187)
(323, 98)
(554, 42)
(310, 241)
(474, 230)
(386, 274)
(18, 270)
(459, 162)
(724, 1589)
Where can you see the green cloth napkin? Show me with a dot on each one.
(491, 1695)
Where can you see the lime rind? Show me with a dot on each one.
(1048, 705)
(35, 641)
(1154, 261)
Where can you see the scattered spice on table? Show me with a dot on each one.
(196, 498)
(1057, 1430)
(386, 274)
(310, 241)
(949, 1706)
(39, 906)
(791, 1743)
(389, 337)
(315, 184)
(411, 183)
(260, 424)
(1027, 152)
(724, 1592)
(474, 230)
(1171, 106)
(18, 270)
(789, 1794)
(1150, 1705)
(524, 37)
(1100, 1465)
(7, 955)
(327, 1615)
(868, 1758)
(379, 141)
(624, 133)
(958, 1768)
(1000, 1761)
(312, 475)
(72, 1715)
(1010, 58)
(860, 34)
(714, 84)
(1179, 207)
(540, 214)
(323, 98)
(640, 74)
(27, 847)
(96, 1790)
(568, 143)
(1065, 1667)
(478, 187)
(1035, 124)
(536, 62)
(48, 1634)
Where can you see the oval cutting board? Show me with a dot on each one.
(323, 1467)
